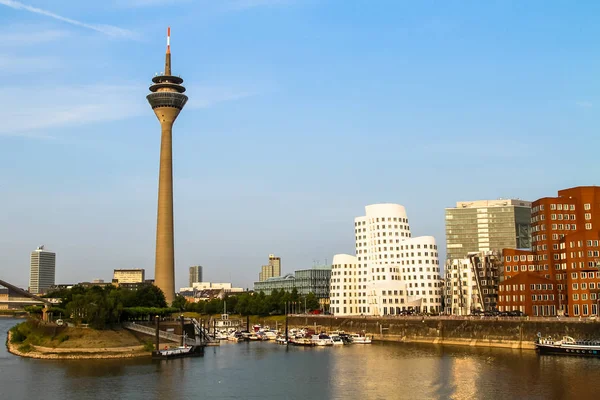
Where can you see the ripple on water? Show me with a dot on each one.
(270, 371)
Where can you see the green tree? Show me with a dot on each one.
(179, 302)
(294, 296)
(150, 296)
(312, 303)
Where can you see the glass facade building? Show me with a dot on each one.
(487, 225)
(314, 280)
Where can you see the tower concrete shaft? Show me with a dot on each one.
(167, 101)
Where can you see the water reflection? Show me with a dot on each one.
(269, 371)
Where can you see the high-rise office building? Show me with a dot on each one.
(271, 270)
(391, 271)
(195, 274)
(42, 273)
(167, 101)
(487, 225)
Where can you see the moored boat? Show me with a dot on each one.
(568, 346)
(322, 340)
(235, 337)
(336, 339)
(178, 352)
(281, 340)
(302, 342)
(357, 339)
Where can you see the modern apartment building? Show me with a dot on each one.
(485, 225)
(272, 269)
(314, 280)
(195, 274)
(471, 283)
(391, 271)
(136, 275)
(42, 272)
(565, 252)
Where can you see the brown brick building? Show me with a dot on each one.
(530, 293)
(565, 250)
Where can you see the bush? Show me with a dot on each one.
(34, 338)
(62, 338)
(148, 346)
(25, 348)
(16, 336)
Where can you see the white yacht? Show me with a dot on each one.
(336, 339)
(357, 339)
(322, 340)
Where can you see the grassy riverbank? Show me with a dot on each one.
(37, 340)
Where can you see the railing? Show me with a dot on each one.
(152, 331)
(202, 332)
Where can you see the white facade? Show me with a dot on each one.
(459, 285)
(392, 271)
(471, 283)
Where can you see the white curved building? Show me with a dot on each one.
(392, 271)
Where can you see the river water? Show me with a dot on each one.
(259, 370)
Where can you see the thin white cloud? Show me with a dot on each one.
(109, 30)
(584, 104)
(21, 37)
(22, 65)
(58, 107)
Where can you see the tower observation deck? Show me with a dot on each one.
(167, 100)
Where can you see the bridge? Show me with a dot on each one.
(149, 330)
(15, 298)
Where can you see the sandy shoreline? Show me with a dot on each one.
(77, 354)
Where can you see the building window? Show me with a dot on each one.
(587, 206)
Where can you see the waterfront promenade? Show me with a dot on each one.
(511, 332)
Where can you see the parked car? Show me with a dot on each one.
(517, 313)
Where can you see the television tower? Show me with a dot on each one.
(167, 100)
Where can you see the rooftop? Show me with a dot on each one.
(492, 203)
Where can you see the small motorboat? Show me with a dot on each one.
(281, 340)
(235, 337)
(302, 341)
(357, 339)
(322, 340)
(336, 339)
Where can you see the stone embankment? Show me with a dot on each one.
(493, 332)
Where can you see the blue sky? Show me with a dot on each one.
(301, 112)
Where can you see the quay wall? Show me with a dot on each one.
(492, 332)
